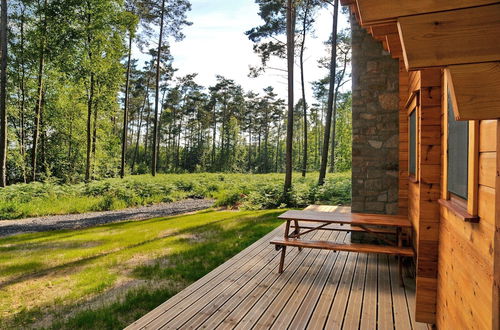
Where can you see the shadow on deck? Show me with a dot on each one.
(318, 289)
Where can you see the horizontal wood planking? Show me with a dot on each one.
(374, 11)
(487, 169)
(465, 275)
(476, 90)
(487, 129)
(438, 39)
(465, 280)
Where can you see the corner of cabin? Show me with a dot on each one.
(440, 92)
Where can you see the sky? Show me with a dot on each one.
(215, 44)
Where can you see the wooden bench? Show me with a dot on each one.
(344, 221)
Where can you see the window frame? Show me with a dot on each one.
(413, 106)
(468, 206)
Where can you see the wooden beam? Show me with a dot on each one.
(476, 90)
(454, 37)
(384, 29)
(373, 11)
(394, 45)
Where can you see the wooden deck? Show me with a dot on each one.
(319, 289)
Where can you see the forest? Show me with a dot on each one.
(76, 105)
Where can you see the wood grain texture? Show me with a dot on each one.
(347, 218)
(461, 36)
(496, 242)
(373, 11)
(476, 89)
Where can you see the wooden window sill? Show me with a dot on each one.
(459, 211)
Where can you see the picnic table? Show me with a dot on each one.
(318, 217)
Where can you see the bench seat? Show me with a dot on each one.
(349, 228)
(349, 247)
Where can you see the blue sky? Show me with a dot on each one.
(216, 44)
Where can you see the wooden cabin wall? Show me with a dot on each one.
(466, 295)
(424, 193)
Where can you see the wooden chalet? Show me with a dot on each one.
(446, 57)
(449, 136)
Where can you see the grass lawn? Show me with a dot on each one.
(108, 276)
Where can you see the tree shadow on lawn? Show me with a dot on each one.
(205, 247)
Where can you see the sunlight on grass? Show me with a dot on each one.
(108, 276)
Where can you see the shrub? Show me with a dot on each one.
(249, 191)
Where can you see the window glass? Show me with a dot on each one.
(458, 153)
(413, 143)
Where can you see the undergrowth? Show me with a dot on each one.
(245, 191)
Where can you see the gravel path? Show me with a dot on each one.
(85, 220)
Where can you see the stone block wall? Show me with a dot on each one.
(375, 103)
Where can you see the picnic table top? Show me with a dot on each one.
(358, 219)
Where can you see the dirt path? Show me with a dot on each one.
(85, 220)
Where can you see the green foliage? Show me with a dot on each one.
(247, 191)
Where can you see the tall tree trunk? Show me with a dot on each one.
(214, 141)
(290, 27)
(125, 109)
(89, 127)
(329, 113)
(43, 134)
(94, 137)
(250, 147)
(23, 98)
(334, 123)
(146, 135)
(277, 147)
(303, 85)
(139, 129)
(38, 105)
(3, 95)
(154, 157)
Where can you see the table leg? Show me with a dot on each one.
(283, 248)
(297, 231)
(400, 262)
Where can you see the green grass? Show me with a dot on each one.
(246, 191)
(108, 276)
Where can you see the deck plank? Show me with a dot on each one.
(218, 312)
(369, 306)
(310, 302)
(384, 316)
(353, 313)
(265, 311)
(320, 315)
(299, 294)
(337, 311)
(265, 291)
(401, 315)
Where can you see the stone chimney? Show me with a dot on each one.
(375, 101)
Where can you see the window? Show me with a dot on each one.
(412, 107)
(458, 154)
(412, 165)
